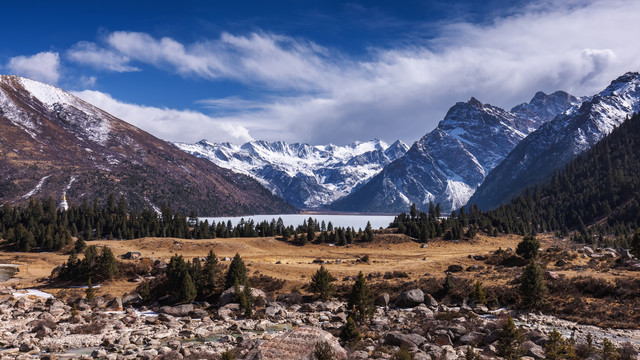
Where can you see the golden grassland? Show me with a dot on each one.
(281, 260)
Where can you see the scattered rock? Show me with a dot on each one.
(296, 344)
(410, 298)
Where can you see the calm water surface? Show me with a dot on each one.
(354, 221)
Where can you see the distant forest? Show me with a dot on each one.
(40, 226)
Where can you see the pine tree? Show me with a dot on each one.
(322, 284)
(360, 304)
(237, 273)
(556, 347)
(528, 247)
(211, 272)
(609, 351)
(509, 341)
(246, 301)
(635, 244)
(188, 289)
(90, 292)
(478, 295)
(349, 332)
(532, 286)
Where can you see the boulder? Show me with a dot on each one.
(473, 338)
(382, 300)
(296, 344)
(455, 268)
(410, 298)
(134, 299)
(228, 295)
(430, 301)
(115, 304)
(411, 341)
(178, 310)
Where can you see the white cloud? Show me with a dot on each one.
(90, 54)
(170, 124)
(401, 92)
(44, 66)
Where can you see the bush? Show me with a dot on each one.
(403, 354)
(528, 247)
(478, 295)
(349, 332)
(323, 351)
(227, 355)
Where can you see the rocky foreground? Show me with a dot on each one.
(50, 328)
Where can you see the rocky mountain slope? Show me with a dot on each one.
(304, 175)
(51, 142)
(559, 141)
(449, 163)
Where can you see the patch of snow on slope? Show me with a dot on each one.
(37, 188)
(459, 193)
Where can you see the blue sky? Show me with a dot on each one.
(314, 71)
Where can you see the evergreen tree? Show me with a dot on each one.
(211, 272)
(509, 341)
(557, 348)
(237, 273)
(360, 304)
(188, 289)
(108, 264)
(609, 351)
(635, 244)
(80, 245)
(528, 247)
(246, 301)
(322, 284)
(90, 292)
(532, 286)
(227, 355)
(478, 295)
(349, 332)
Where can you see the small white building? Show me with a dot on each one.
(64, 205)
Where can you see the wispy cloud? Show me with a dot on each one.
(89, 53)
(44, 66)
(322, 95)
(171, 124)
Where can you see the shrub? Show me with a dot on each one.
(528, 247)
(90, 292)
(227, 355)
(349, 332)
(478, 295)
(609, 351)
(403, 354)
(323, 351)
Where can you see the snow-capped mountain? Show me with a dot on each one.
(305, 175)
(560, 140)
(52, 142)
(449, 163)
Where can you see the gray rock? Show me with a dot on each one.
(473, 338)
(198, 314)
(431, 301)
(411, 341)
(133, 299)
(115, 304)
(382, 300)
(410, 298)
(296, 344)
(179, 310)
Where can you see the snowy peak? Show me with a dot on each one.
(558, 141)
(448, 164)
(308, 176)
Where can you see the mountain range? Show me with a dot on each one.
(560, 140)
(52, 142)
(306, 176)
(450, 162)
